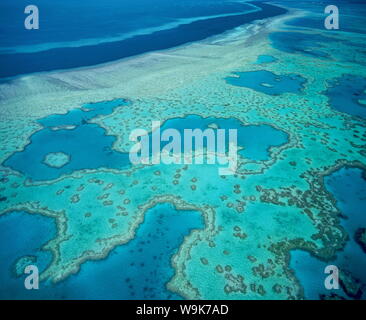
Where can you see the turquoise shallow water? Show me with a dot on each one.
(139, 269)
(88, 146)
(79, 144)
(267, 82)
(79, 116)
(349, 189)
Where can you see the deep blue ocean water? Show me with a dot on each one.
(352, 20)
(76, 34)
(22, 234)
(139, 269)
(68, 21)
(353, 14)
(348, 187)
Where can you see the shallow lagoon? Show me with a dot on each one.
(267, 82)
(22, 234)
(346, 94)
(139, 269)
(256, 139)
(301, 43)
(265, 59)
(88, 146)
(79, 116)
(349, 189)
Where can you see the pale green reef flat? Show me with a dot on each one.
(56, 159)
(252, 219)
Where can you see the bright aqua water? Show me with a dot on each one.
(267, 82)
(88, 146)
(79, 116)
(139, 269)
(349, 189)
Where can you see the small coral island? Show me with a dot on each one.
(56, 159)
